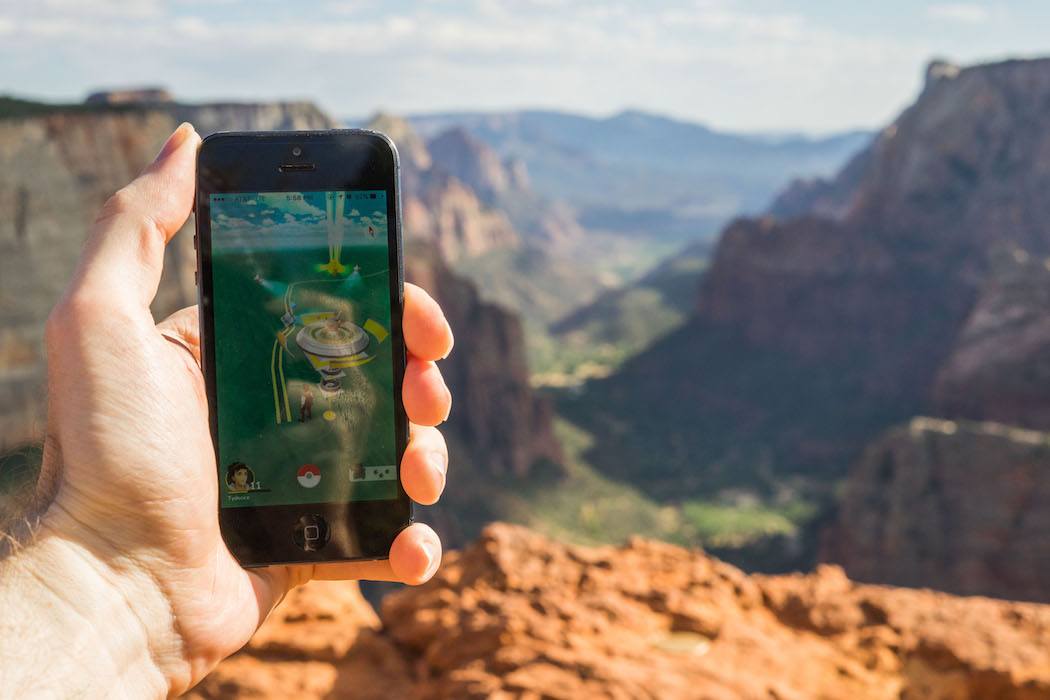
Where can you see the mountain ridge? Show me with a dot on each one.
(814, 334)
(636, 161)
(635, 189)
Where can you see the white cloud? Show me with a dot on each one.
(105, 8)
(728, 62)
(280, 201)
(960, 12)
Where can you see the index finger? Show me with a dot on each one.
(427, 333)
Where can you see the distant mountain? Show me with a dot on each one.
(876, 302)
(476, 164)
(485, 219)
(634, 189)
(599, 202)
(645, 174)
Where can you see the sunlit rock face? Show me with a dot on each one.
(518, 615)
(817, 328)
(956, 506)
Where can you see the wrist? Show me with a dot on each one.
(81, 623)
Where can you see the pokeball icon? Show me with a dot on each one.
(308, 476)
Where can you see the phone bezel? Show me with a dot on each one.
(343, 160)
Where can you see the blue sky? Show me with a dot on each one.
(741, 65)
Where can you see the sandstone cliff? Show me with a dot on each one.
(499, 432)
(999, 368)
(962, 507)
(439, 207)
(472, 161)
(248, 116)
(57, 170)
(525, 252)
(517, 615)
(55, 173)
(912, 284)
(813, 334)
(448, 213)
(495, 412)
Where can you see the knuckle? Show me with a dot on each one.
(54, 326)
(120, 202)
(78, 309)
(124, 206)
(66, 316)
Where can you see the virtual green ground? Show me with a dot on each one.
(262, 374)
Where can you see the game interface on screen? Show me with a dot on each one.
(303, 356)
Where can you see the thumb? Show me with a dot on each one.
(124, 256)
(272, 583)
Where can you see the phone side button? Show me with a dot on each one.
(196, 278)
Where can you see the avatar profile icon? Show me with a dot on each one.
(239, 478)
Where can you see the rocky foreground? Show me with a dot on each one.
(518, 615)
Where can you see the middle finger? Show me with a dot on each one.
(427, 400)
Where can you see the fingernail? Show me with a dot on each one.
(451, 341)
(438, 462)
(433, 554)
(448, 411)
(177, 138)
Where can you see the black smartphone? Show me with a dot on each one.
(300, 282)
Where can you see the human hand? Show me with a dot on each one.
(129, 469)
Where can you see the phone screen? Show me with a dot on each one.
(304, 361)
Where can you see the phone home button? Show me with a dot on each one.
(311, 533)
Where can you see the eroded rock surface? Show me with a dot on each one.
(518, 615)
(961, 507)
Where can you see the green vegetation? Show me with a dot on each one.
(18, 472)
(727, 525)
(588, 508)
(17, 108)
(707, 411)
(597, 338)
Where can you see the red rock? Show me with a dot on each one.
(517, 615)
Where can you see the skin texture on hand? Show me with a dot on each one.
(128, 489)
